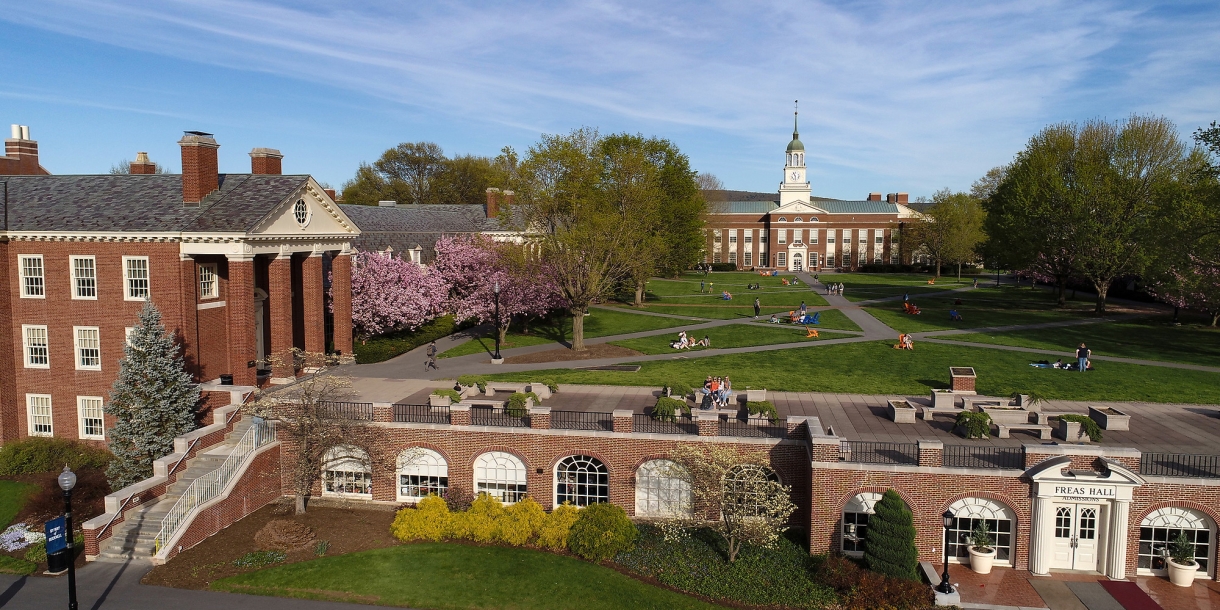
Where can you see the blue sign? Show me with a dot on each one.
(57, 539)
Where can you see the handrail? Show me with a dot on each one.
(117, 514)
(228, 420)
(210, 485)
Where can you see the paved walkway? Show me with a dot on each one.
(1008, 589)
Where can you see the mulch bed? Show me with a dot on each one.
(349, 529)
(592, 352)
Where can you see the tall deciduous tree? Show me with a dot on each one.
(889, 542)
(419, 172)
(389, 293)
(153, 400)
(950, 230)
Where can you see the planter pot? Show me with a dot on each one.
(981, 561)
(226, 379)
(1070, 431)
(435, 400)
(943, 400)
(1110, 418)
(1181, 575)
(756, 395)
(901, 412)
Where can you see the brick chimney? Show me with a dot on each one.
(874, 196)
(21, 154)
(330, 193)
(142, 165)
(493, 202)
(200, 170)
(891, 198)
(903, 198)
(265, 161)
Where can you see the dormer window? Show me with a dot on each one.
(300, 211)
(797, 219)
(782, 219)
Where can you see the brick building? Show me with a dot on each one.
(238, 264)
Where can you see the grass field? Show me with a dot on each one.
(876, 368)
(599, 323)
(988, 306)
(687, 290)
(457, 576)
(865, 286)
(732, 335)
(12, 497)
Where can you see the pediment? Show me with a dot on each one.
(797, 207)
(322, 215)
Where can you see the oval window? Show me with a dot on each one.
(301, 212)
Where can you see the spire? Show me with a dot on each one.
(795, 144)
(795, 111)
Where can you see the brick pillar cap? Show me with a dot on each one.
(622, 413)
(459, 407)
(197, 138)
(707, 416)
(540, 410)
(930, 444)
(382, 405)
(266, 152)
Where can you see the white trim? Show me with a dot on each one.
(501, 468)
(212, 305)
(74, 279)
(214, 292)
(348, 460)
(29, 414)
(76, 345)
(127, 279)
(22, 277)
(80, 417)
(25, 345)
(422, 462)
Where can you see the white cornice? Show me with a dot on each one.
(92, 236)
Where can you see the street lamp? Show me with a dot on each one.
(496, 290)
(945, 587)
(67, 480)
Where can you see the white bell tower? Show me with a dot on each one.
(795, 186)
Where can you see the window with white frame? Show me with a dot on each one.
(127, 334)
(762, 259)
(716, 235)
(854, 524)
(421, 473)
(33, 278)
(37, 348)
(744, 486)
(877, 255)
(749, 236)
(862, 236)
(346, 472)
(782, 219)
(500, 475)
(733, 257)
(748, 257)
(38, 414)
(783, 236)
(1163, 525)
(813, 235)
(732, 236)
(135, 276)
(662, 489)
(209, 284)
(830, 236)
(796, 235)
(968, 513)
(762, 236)
(84, 277)
(830, 259)
(863, 256)
(716, 257)
(878, 238)
(88, 348)
(581, 480)
(90, 417)
(781, 259)
(813, 259)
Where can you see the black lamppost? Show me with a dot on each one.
(67, 480)
(496, 290)
(945, 587)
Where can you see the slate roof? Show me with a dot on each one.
(408, 226)
(142, 203)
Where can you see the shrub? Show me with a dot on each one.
(553, 534)
(668, 409)
(974, 424)
(473, 380)
(724, 266)
(384, 347)
(981, 536)
(763, 407)
(33, 455)
(520, 523)
(428, 520)
(321, 548)
(516, 403)
(453, 394)
(550, 385)
(602, 531)
(20, 567)
(259, 559)
(458, 498)
(1182, 550)
(678, 389)
(889, 543)
(478, 523)
(37, 553)
(860, 589)
(1087, 425)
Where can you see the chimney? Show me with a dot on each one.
(902, 198)
(330, 193)
(200, 172)
(874, 196)
(265, 161)
(21, 154)
(493, 201)
(142, 165)
(891, 198)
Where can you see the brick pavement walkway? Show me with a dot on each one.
(1008, 588)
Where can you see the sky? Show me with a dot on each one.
(894, 96)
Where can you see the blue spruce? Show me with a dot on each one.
(153, 400)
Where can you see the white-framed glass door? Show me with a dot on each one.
(1076, 530)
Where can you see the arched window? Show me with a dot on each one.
(797, 219)
(968, 514)
(346, 472)
(1163, 525)
(421, 472)
(662, 490)
(855, 522)
(782, 219)
(741, 484)
(581, 480)
(500, 475)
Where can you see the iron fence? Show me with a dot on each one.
(1180, 465)
(645, 423)
(977, 456)
(421, 414)
(867, 452)
(485, 416)
(358, 411)
(582, 420)
(733, 427)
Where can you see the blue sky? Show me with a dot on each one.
(894, 96)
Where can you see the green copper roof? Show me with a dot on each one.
(795, 144)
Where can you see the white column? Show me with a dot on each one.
(1116, 544)
(1040, 536)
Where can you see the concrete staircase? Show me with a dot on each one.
(133, 538)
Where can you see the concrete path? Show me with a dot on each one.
(919, 295)
(872, 327)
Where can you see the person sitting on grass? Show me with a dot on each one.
(774, 319)
(908, 342)
(793, 318)
(705, 341)
(783, 280)
(954, 316)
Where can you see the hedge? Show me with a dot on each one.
(889, 543)
(762, 407)
(33, 455)
(974, 424)
(389, 345)
(453, 395)
(602, 531)
(668, 409)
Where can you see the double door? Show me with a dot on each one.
(1076, 534)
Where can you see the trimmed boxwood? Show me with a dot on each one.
(516, 403)
(602, 531)
(889, 543)
(1087, 425)
(668, 409)
(762, 407)
(472, 381)
(33, 455)
(383, 347)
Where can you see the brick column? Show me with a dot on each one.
(622, 420)
(931, 453)
(314, 312)
(709, 423)
(280, 301)
(240, 305)
(540, 418)
(824, 449)
(383, 411)
(341, 301)
(459, 415)
(798, 428)
(190, 315)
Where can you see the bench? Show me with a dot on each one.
(496, 405)
(942, 599)
(1044, 431)
(498, 386)
(927, 412)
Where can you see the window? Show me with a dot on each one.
(813, 259)
(748, 262)
(127, 334)
(796, 235)
(830, 259)
(33, 282)
(581, 480)
(500, 475)
(208, 283)
(733, 257)
(783, 236)
(37, 351)
(877, 255)
(830, 236)
(733, 236)
(762, 259)
(135, 273)
(88, 348)
(38, 414)
(782, 219)
(813, 236)
(345, 472)
(863, 256)
(781, 260)
(421, 472)
(84, 277)
(797, 219)
(89, 412)
(716, 235)
(300, 211)
(1163, 525)
(749, 235)
(742, 486)
(861, 236)
(762, 236)
(878, 238)
(855, 522)
(662, 490)
(968, 514)
(715, 257)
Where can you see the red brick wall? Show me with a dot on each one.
(312, 296)
(341, 301)
(10, 404)
(837, 222)
(279, 301)
(240, 309)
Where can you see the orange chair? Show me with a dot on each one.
(932, 282)
(900, 338)
(810, 332)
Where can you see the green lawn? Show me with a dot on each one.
(980, 308)
(599, 323)
(1152, 339)
(865, 286)
(732, 335)
(877, 368)
(687, 289)
(12, 497)
(457, 576)
(721, 312)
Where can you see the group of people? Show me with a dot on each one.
(835, 289)
(685, 342)
(717, 392)
(905, 342)
(1082, 364)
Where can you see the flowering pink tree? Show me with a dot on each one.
(1198, 288)
(389, 293)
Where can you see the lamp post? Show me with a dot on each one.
(67, 480)
(945, 587)
(496, 290)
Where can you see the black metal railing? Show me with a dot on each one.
(1180, 465)
(975, 456)
(421, 414)
(645, 423)
(358, 411)
(582, 420)
(867, 452)
(733, 427)
(483, 416)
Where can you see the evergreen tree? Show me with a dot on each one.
(889, 542)
(154, 399)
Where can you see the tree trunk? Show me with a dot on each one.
(639, 294)
(734, 549)
(1101, 297)
(300, 503)
(938, 267)
(1062, 291)
(1215, 317)
(578, 330)
(1176, 309)
(503, 333)
(959, 272)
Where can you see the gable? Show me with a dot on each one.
(797, 207)
(322, 215)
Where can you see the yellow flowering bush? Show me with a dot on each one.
(428, 520)
(478, 523)
(555, 529)
(520, 523)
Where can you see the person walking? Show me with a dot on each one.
(804, 309)
(906, 297)
(757, 307)
(701, 283)
(1082, 357)
(431, 363)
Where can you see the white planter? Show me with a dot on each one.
(1181, 575)
(901, 412)
(437, 400)
(981, 561)
(1110, 418)
(1072, 432)
(756, 395)
(943, 399)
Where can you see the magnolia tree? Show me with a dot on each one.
(389, 293)
(1198, 289)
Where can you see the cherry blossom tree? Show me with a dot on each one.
(1197, 288)
(389, 293)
